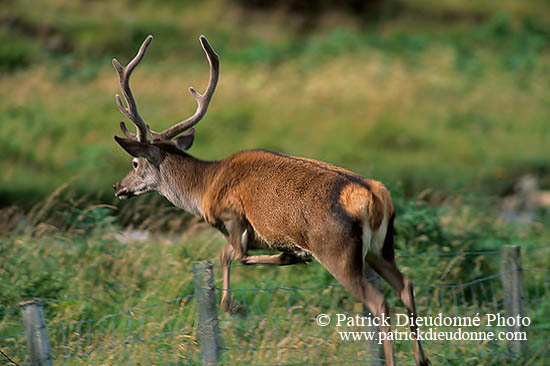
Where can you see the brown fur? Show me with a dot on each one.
(274, 191)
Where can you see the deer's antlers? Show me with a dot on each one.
(143, 130)
(131, 111)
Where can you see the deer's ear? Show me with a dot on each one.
(141, 150)
(185, 141)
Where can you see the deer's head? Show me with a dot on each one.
(150, 148)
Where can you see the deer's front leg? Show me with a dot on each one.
(235, 235)
(242, 238)
(281, 259)
(226, 256)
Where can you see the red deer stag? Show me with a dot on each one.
(300, 207)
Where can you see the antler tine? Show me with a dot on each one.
(131, 111)
(202, 99)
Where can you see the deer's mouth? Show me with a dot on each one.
(123, 194)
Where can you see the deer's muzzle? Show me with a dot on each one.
(121, 192)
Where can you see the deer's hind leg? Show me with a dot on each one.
(388, 270)
(383, 263)
(347, 268)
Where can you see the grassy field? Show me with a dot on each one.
(446, 102)
(85, 270)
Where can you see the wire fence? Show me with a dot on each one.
(276, 325)
(295, 335)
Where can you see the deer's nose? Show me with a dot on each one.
(114, 186)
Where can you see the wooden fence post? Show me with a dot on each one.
(374, 350)
(512, 288)
(37, 333)
(205, 295)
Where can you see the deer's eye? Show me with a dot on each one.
(135, 164)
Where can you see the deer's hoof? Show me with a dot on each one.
(226, 304)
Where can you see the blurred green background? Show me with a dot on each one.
(447, 95)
